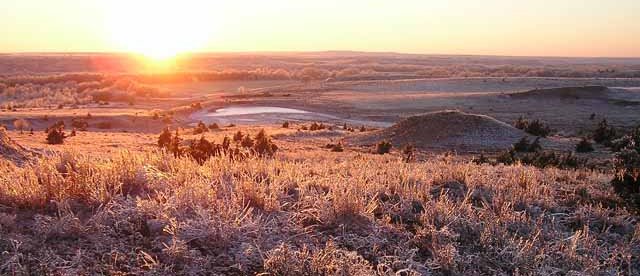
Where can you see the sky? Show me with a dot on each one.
(162, 28)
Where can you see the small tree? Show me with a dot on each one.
(21, 124)
(285, 124)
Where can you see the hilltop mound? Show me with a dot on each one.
(569, 93)
(10, 150)
(447, 130)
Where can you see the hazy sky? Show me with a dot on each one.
(499, 27)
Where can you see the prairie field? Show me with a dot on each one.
(319, 163)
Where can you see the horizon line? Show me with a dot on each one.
(312, 52)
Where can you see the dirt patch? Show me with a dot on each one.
(12, 151)
(451, 130)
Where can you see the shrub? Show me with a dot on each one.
(203, 150)
(335, 147)
(285, 124)
(315, 126)
(592, 116)
(536, 127)
(521, 123)
(165, 138)
(481, 160)
(20, 124)
(174, 145)
(237, 137)
(408, 153)
(553, 159)
(214, 126)
(363, 129)
(584, 146)
(604, 133)
(58, 124)
(383, 147)
(507, 157)
(627, 164)
(246, 142)
(56, 136)
(263, 146)
(226, 143)
(200, 128)
(523, 145)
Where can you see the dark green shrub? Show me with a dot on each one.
(604, 133)
(285, 124)
(584, 146)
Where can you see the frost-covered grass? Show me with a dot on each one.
(308, 213)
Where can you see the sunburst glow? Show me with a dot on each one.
(160, 29)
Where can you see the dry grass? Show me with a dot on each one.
(308, 213)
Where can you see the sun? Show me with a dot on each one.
(160, 30)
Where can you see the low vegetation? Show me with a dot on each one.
(535, 127)
(160, 214)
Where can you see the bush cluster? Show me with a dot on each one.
(627, 165)
(604, 133)
(202, 149)
(535, 127)
(55, 133)
(523, 145)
